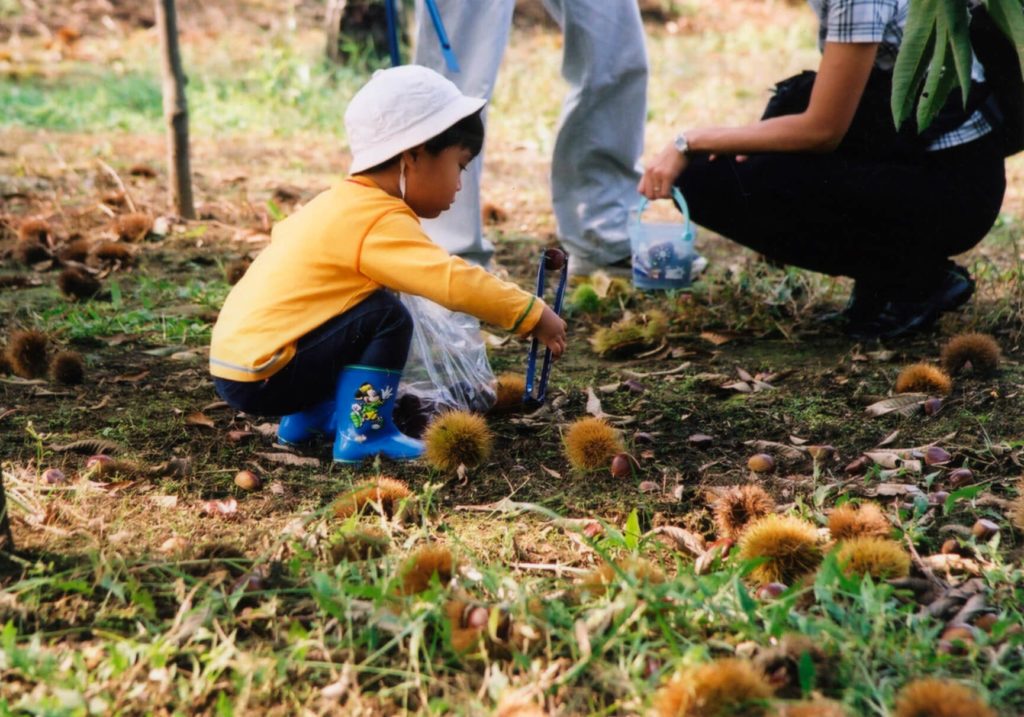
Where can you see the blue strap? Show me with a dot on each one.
(392, 17)
(442, 36)
(678, 196)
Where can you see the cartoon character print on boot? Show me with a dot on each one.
(366, 410)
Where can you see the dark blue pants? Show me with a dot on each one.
(376, 333)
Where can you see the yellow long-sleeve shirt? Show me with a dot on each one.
(345, 244)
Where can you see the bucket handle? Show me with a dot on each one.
(677, 195)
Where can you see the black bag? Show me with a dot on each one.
(872, 132)
(996, 53)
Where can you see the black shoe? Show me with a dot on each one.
(900, 317)
(864, 303)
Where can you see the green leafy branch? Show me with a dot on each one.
(935, 56)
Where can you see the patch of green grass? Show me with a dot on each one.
(139, 313)
(284, 88)
(181, 627)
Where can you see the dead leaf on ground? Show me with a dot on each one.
(717, 337)
(889, 439)
(130, 377)
(595, 410)
(683, 539)
(906, 404)
(784, 450)
(199, 419)
(290, 459)
(640, 375)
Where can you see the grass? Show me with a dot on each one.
(141, 596)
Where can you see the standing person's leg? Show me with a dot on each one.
(478, 32)
(594, 166)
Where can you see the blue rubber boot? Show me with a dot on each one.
(298, 428)
(365, 399)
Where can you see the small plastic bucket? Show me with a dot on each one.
(662, 252)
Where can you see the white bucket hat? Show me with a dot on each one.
(400, 108)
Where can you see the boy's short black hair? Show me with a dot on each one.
(468, 132)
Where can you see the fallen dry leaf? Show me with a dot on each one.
(684, 539)
(716, 338)
(130, 377)
(290, 459)
(199, 419)
(906, 404)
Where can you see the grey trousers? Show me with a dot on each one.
(594, 164)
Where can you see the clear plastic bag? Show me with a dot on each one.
(447, 368)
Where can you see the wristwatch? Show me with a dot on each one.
(682, 144)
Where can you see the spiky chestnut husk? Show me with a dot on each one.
(132, 227)
(467, 624)
(422, 565)
(981, 350)
(75, 283)
(590, 443)
(630, 335)
(457, 438)
(923, 377)
(234, 271)
(384, 491)
(361, 544)
(36, 229)
(27, 353)
(814, 708)
(605, 575)
(850, 521)
(720, 687)
(109, 253)
(880, 558)
(13, 281)
(586, 299)
(789, 544)
(142, 170)
(740, 505)
(29, 251)
(508, 392)
(68, 368)
(939, 698)
(780, 664)
(75, 250)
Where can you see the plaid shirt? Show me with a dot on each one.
(882, 21)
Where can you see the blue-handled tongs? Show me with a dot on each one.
(554, 259)
(391, 12)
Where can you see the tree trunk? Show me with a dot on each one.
(175, 111)
(6, 539)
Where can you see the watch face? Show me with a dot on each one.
(681, 144)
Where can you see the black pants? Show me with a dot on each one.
(885, 221)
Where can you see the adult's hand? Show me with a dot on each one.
(661, 173)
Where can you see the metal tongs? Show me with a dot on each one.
(554, 259)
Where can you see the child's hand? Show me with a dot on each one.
(550, 331)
